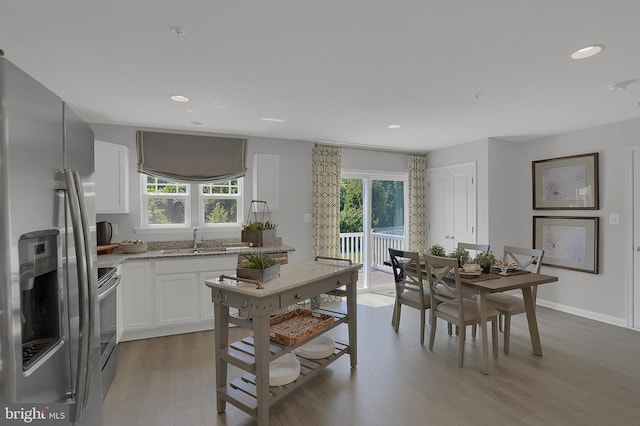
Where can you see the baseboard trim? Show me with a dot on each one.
(620, 322)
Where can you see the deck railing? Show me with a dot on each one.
(351, 247)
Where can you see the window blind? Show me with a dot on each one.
(190, 158)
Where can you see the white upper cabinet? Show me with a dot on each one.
(112, 177)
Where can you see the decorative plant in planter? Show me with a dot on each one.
(485, 260)
(437, 250)
(461, 254)
(259, 232)
(259, 267)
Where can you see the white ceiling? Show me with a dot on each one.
(448, 71)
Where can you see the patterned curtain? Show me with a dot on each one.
(417, 203)
(326, 200)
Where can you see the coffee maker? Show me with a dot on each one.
(104, 232)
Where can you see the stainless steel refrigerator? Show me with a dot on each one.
(49, 319)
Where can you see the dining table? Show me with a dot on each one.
(486, 283)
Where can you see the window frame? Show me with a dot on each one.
(239, 197)
(144, 204)
(194, 207)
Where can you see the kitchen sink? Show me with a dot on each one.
(194, 251)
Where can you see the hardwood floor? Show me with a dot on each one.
(589, 375)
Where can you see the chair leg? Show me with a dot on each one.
(432, 331)
(423, 320)
(474, 331)
(449, 328)
(501, 318)
(462, 338)
(494, 336)
(398, 310)
(393, 316)
(507, 332)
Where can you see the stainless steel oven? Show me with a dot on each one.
(108, 280)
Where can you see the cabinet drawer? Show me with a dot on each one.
(302, 293)
(202, 264)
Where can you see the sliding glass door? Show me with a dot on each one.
(372, 219)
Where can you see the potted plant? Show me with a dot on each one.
(257, 234)
(259, 267)
(485, 260)
(461, 254)
(437, 250)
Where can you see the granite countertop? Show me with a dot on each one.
(176, 250)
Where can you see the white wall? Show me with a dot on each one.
(505, 210)
(295, 190)
(360, 159)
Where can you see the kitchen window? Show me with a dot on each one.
(169, 204)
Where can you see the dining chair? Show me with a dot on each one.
(450, 305)
(474, 250)
(410, 287)
(509, 305)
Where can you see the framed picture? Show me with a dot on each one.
(568, 242)
(566, 183)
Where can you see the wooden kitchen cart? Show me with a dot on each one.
(297, 282)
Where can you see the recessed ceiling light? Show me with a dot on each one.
(394, 126)
(276, 120)
(587, 52)
(179, 98)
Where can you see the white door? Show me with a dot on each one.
(452, 205)
(636, 237)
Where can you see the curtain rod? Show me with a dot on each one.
(368, 148)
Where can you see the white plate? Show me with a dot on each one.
(320, 347)
(284, 370)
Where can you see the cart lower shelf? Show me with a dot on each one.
(241, 392)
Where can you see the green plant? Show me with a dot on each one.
(258, 226)
(257, 261)
(437, 250)
(461, 254)
(485, 260)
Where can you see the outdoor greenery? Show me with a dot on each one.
(387, 204)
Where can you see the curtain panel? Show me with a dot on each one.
(417, 240)
(327, 162)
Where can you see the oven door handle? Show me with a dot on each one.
(109, 288)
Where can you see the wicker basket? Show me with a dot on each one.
(293, 327)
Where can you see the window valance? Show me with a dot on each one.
(190, 158)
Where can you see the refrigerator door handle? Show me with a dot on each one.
(85, 329)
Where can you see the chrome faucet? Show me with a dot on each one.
(195, 237)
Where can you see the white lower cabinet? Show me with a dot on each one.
(177, 299)
(137, 296)
(163, 297)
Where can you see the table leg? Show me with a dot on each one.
(352, 310)
(221, 339)
(482, 310)
(530, 310)
(261, 342)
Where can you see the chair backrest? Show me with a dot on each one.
(444, 290)
(474, 248)
(407, 270)
(525, 258)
